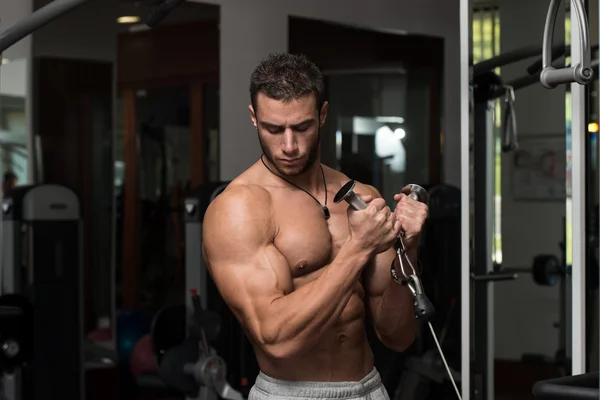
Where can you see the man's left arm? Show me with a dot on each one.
(391, 304)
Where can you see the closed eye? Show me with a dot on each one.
(302, 127)
(273, 129)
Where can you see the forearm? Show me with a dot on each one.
(298, 320)
(394, 318)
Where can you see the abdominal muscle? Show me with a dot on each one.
(343, 354)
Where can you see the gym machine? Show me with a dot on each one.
(190, 364)
(423, 375)
(550, 76)
(582, 385)
(486, 87)
(41, 342)
(41, 264)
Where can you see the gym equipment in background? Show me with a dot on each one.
(232, 345)
(192, 366)
(576, 387)
(548, 270)
(131, 326)
(187, 340)
(581, 73)
(486, 87)
(423, 375)
(58, 8)
(41, 264)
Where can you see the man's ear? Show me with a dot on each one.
(323, 115)
(252, 115)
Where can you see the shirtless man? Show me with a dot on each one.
(300, 283)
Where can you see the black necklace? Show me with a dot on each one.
(324, 207)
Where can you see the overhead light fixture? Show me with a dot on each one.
(128, 19)
(5, 61)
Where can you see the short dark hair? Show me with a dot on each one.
(286, 77)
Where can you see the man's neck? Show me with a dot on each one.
(310, 180)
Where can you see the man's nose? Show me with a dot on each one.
(289, 142)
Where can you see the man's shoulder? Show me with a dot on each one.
(241, 195)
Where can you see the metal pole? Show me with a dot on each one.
(37, 20)
(483, 159)
(598, 235)
(578, 138)
(465, 182)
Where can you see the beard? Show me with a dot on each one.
(284, 170)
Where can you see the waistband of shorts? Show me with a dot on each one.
(319, 390)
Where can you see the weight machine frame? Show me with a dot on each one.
(58, 8)
(549, 76)
(45, 219)
(484, 271)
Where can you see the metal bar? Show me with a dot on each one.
(549, 33)
(578, 137)
(465, 182)
(557, 52)
(528, 80)
(483, 159)
(504, 59)
(36, 20)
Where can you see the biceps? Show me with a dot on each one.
(250, 287)
(377, 274)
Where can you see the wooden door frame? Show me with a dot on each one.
(131, 185)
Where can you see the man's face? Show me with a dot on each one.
(289, 132)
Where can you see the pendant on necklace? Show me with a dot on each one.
(326, 212)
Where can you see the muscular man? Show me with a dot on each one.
(300, 272)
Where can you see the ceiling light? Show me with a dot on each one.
(128, 19)
(5, 61)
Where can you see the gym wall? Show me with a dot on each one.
(252, 30)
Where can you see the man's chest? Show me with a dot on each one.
(307, 239)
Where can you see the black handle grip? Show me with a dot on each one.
(423, 308)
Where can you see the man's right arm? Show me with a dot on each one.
(254, 278)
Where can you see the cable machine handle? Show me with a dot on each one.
(581, 73)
